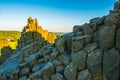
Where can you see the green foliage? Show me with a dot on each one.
(6, 35)
(15, 34)
(58, 34)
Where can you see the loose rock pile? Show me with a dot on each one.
(90, 52)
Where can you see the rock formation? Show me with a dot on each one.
(32, 32)
(90, 52)
(6, 52)
(33, 26)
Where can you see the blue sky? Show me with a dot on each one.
(53, 15)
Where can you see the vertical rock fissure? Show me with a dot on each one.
(115, 36)
(102, 67)
(86, 59)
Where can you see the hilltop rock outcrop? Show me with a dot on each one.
(90, 52)
(33, 26)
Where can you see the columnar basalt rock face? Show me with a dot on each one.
(84, 75)
(90, 52)
(111, 64)
(94, 63)
(70, 72)
(30, 37)
(107, 37)
(79, 60)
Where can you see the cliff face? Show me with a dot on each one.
(90, 52)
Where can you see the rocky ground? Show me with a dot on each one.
(90, 52)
